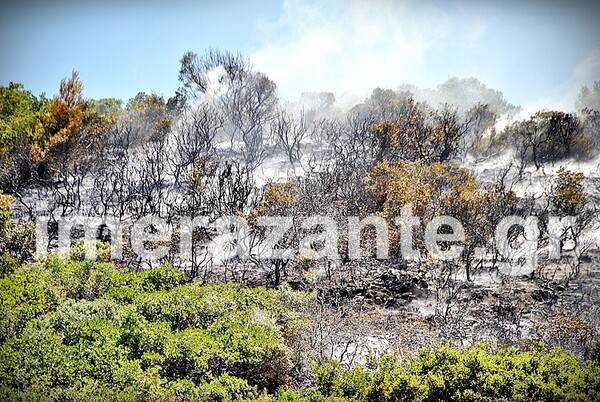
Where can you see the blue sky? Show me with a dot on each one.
(537, 53)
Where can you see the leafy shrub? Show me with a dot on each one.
(440, 189)
(80, 279)
(8, 265)
(164, 277)
(77, 251)
(186, 306)
(23, 297)
(475, 373)
(70, 331)
(569, 195)
(18, 240)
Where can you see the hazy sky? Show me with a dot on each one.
(538, 53)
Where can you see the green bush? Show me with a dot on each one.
(475, 373)
(227, 388)
(74, 330)
(8, 265)
(77, 251)
(23, 297)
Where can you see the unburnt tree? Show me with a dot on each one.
(20, 113)
(385, 104)
(591, 124)
(463, 93)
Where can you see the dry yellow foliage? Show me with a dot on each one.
(569, 195)
(275, 200)
(432, 189)
(65, 118)
(5, 208)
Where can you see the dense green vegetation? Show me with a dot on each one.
(79, 330)
(84, 330)
(476, 373)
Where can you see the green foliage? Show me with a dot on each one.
(227, 388)
(102, 250)
(153, 111)
(23, 297)
(39, 136)
(18, 241)
(463, 92)
(106, 107)
(475, 373)
(85, 329)
(20, 113)
(19, 110)
(8, 265)
(185, 306)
